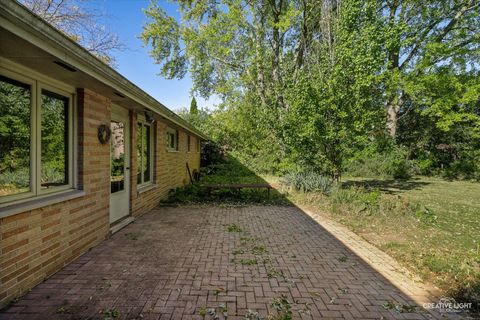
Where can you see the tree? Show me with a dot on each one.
(334, 105)
(234, 47)
(315, 80)
(80, 24)
(422, 36)
(193, 106)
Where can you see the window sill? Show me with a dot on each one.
(145, 188)
(173, 151)
(36, 203)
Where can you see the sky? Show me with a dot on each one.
(126, 19)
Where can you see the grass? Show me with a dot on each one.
(429, 225)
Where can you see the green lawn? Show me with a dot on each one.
(430, 225)
(446, 250)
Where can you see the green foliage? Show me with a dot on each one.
(253, 315)
(193, 107)
(399, 307)
(248, 262)
(53, 172)
(233, 228)
(111, 314)
(390, 163)
(430, 48)
(426, 215)
(330, 110)
(212, 154)
(364, 201)
(302, 95)
(117, 165)
(308, 181)
(15, 136)
(18, 179)
(427, 224)
(283, 307)
(466, 166)
(231, 171)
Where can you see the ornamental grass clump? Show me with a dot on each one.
(309, 181)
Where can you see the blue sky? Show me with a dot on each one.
(126, 19)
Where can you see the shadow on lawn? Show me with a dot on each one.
(388, 186)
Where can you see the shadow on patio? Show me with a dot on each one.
(187, 262)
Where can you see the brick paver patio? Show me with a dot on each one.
(198, 262)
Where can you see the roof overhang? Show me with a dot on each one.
(29, 40)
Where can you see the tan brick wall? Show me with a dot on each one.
(170, 170)
(37, 243)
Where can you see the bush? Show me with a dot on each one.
(425, 166)
(466, 166)
(212, 153)
(187, 194)
(391, 163)
(365, 199)
(308, 182)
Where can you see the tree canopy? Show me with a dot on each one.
(316, 81)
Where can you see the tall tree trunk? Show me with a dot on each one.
(394, 105)
(393, 54)
(392, 115)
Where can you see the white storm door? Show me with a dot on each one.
(119, 164)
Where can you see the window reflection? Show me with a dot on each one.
(117, 176)
(139, 153)
(54, 143)
(15, 137)
(146, 153)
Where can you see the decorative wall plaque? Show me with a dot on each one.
(104, 133)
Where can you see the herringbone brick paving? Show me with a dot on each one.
(196, 262)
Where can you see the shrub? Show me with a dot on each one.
(365, 201)
(356, 195)
(212, 153)
(425, 166)
(308, 182)
(187, 194)
(466, 166)
(391, 163)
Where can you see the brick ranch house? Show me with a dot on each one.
(65, 182)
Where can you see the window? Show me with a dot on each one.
(54, 140)
(36, 138)
(15, 137)
(188, 143)
(117, 156)
(144, 153)
(172, 140)
(198, 144)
